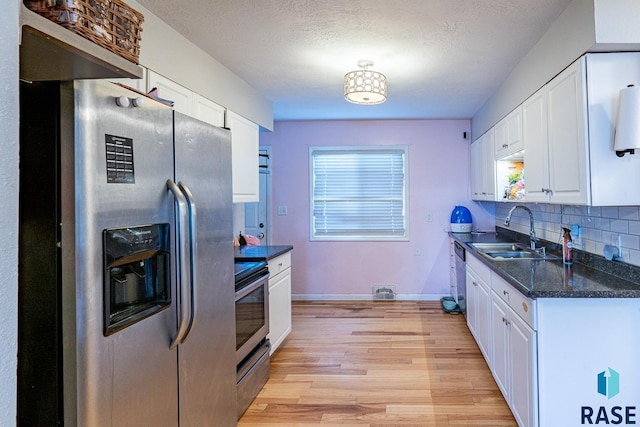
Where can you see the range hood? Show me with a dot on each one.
(51, 52)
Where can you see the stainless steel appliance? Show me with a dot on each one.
(461, 278)
(126, 314)
(252, 327)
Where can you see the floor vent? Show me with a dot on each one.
(384, 293)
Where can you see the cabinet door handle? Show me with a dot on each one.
(505, 293)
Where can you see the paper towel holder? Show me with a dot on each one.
(627, 135)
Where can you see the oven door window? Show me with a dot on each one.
(250, 315)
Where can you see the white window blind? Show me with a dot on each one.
(358, 193)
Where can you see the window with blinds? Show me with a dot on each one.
(358, 193)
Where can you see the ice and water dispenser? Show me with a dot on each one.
(137, 274)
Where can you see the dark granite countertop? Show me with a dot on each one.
(259, 253)
(590, 276)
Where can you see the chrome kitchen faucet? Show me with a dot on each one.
(532, 232)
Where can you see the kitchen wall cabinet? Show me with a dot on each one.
(613, 179)
(568, 132)
(567, 136)
(555, 140)
(279, 299)
(186, 101)
(168, 89)
(208, 111)
(478, 304)
(534, 125)
(514, 352)
(483, 168)
(508, 135)
(244, 148)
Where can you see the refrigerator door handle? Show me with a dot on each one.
(192, 256)
(183, 302)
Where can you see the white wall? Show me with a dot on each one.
(8, 210)
(167, 52)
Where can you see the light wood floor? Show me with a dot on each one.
(378, 364)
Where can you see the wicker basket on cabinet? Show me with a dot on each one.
(111, 24)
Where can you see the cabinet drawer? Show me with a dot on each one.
(520, 304)
(280, 263)
(482, 271)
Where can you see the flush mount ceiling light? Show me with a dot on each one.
(365, 86)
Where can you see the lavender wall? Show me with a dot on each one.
(438, 180)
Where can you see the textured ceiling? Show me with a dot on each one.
(442, 58)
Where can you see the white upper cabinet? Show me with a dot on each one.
(168, 89)
(483, 169)
(614, 180)
(567, 135)
(186, 101)
(534, 125)
(208, 111)
(508, 135)
(245, 136)
(555, 140)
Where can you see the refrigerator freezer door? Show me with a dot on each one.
(128, 378)
(207, 370)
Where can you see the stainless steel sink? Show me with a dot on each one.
(509, 251)
(499, 247)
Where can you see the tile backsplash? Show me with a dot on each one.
(599, 226)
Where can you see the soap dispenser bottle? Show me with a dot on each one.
(567, 247)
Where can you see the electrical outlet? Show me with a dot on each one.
(417, 252)
(282, 210)
(429, 217)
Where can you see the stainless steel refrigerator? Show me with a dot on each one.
(126, 289)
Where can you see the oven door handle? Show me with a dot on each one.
(192, 258)
(183, 300)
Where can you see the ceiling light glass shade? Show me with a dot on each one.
(365, 87)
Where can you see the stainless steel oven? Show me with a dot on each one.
(252, 327)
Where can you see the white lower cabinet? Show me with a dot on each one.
(478, 304)
(503, 322)
(514, 351)
(279, 299)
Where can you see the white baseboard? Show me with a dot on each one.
(362, 297)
